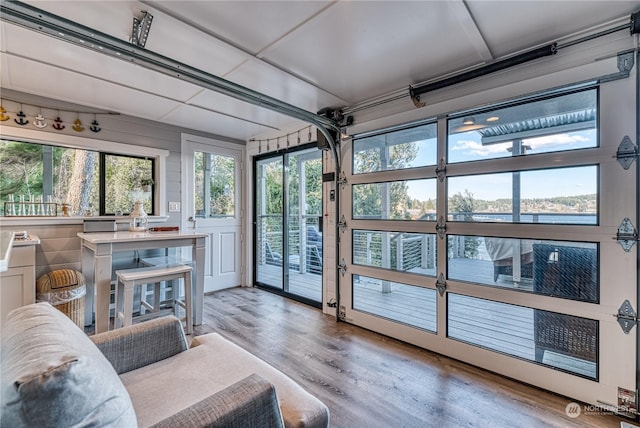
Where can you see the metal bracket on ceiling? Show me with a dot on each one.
(416, 98)
(141, 27)
(626, 61)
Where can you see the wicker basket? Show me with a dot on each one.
(65, 290)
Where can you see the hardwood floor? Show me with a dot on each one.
(369, 380)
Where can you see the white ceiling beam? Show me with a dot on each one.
(461, 13)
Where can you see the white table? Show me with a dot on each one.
(97, 251)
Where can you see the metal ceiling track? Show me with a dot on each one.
(58, 27)
(549, 50)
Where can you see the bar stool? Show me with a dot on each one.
(157, 300)
(128, 279)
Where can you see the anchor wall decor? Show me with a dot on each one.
(77, 125)
(58, 124)
(3, 116)
(95, 126)
(39, 122)
(21, 119)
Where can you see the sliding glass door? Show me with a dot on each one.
(288, 223)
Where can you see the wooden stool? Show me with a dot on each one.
(127, 279)
(157, 301)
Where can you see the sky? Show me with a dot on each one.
(464, 147)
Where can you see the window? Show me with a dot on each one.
(560, 123)
(88, 181)
(551, 196)
(214, 185)
(401, 149)
(395, 200)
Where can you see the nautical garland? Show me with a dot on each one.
(40, 120)
(284, 137)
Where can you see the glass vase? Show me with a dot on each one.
(138, 218)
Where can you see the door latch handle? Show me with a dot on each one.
(193, 220)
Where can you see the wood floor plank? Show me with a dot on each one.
(370, 380)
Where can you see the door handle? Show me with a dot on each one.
(193, 220)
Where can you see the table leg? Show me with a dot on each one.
(198, 255)
(87, 271)
(102, 275)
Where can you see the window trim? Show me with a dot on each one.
(84, 143)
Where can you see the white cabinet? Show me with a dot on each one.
(18, 282)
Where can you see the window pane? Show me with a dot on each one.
(127, 180)
(61, 175)
(395, 200)
(404, 303)
(568, 270)
(406, 148)
(404, 252)
(214, 185)
(565, 342)
(565, 122)
(560, 195)
(269, 213)
(37, 172)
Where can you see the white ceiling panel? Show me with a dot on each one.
(213, 101)
(512, 26)
(189, 45)
(21, 41)
(278, 84)
(261, 22)
(36, 78)
(195, 118)
(363, 49)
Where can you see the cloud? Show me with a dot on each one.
(556, 140)
(471, 147)
(476, 149)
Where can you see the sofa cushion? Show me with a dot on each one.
(251, 402)
(207, 368)
(53, 375)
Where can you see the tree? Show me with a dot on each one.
(79, 193)
(367, 198)
(463, 206)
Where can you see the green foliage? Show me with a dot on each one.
(464, 206)
(367, 198)
(72, 179)
(21, 165)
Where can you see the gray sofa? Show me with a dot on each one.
(53, 375)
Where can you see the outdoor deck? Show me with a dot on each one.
(497, 326)
(307, 285)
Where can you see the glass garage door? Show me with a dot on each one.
(492, 240)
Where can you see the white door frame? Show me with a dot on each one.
(231, 227)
